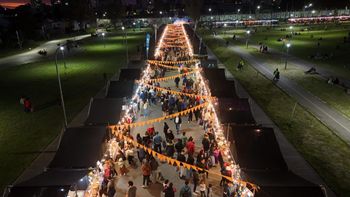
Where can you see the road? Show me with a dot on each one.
(326, 114)
(33, 56)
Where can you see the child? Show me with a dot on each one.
(202, 188)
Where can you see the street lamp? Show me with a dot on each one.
(288, 45)
(247, 38)
(103, 37)
(61, 48)
(126, 42)
(209, 9)
(291, 29)
(160, 12)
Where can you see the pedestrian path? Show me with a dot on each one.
(33, 56)
(332, 118)
(169, 172)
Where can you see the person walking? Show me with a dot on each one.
(131, 189)
(146, 172)
(276, 75)
(186, 190)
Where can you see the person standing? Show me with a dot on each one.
(146, 172)
(157, 143)
(190, 146)
(131, 189)
(178, 122)
(195, 179)
(27, 105)
(186, 190)
(145, 109)
(202, 188)
(177, 81)
(154, 169)
(169, 191)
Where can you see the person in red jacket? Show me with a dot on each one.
(27, 105)
(190, 145)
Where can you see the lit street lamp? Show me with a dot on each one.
(126, 42)
(291, 29)
(61, 48)
(247, 38)
(103, 37)
(288, 45)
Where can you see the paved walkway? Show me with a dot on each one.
(329, 116)
(169, 172)
(33, 56)
(296, 163)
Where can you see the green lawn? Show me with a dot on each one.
(23, 135)
(335, 96)
(326, 153)
(304, 45)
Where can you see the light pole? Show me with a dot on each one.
(291, 29)
(103, 38)
(288, 45)
(257, 11)
(126, 42)
(211, 16)
(225, 25)
(247, 39)
(61, 48)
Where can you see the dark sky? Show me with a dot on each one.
(15, 3)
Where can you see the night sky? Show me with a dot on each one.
(15, 3)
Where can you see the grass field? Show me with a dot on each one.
(335, 96)
(326, 153)
(23, 135)
(305, 44)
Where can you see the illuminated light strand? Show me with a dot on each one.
(156, 52)
(171, 67)
(171, 77)
(136, 124)
(174, 62)
(177, 92)
(171, 161)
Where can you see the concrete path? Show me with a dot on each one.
(296, 163)
(169, 172)
(329, 116)
(33, 56)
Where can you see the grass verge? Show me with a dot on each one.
(23, 136)
(326, 153)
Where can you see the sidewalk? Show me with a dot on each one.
(296, 163)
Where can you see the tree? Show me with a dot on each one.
(79, 10)
(193, 10)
